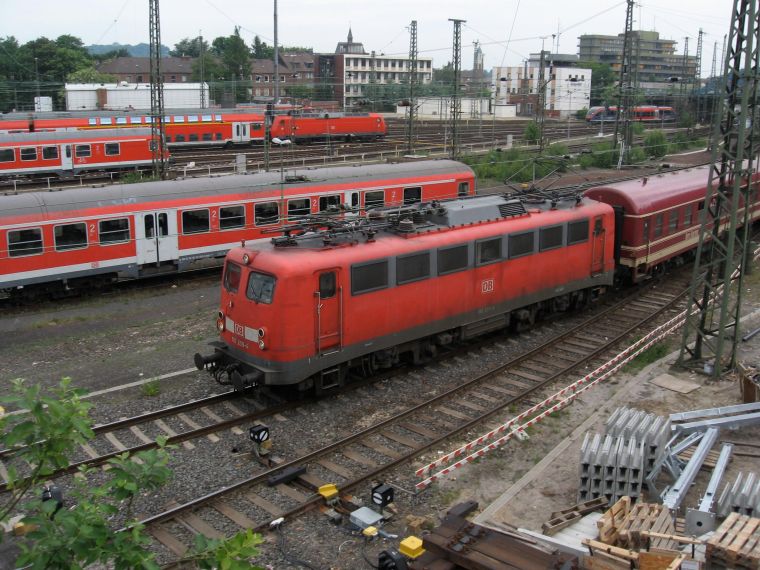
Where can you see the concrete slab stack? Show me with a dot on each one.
(742, 496)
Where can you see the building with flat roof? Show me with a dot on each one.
(568, 89)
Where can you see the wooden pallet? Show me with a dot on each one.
(711, 460)
(566, 517)
(736, 543)
(646, 517)
(609, 524)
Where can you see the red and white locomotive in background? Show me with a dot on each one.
(53, 242)
(304, 310)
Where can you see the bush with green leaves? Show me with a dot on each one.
(86, 531)
(531, 133)
(656, 144)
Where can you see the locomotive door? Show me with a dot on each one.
(156, 237)
(241, 132)
(67, 162)
(329, 312)
(597, 246)
(351, 202)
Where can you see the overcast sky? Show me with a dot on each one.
(380, 25)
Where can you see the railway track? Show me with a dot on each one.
(370, 452)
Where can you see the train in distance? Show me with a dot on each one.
(644, 114)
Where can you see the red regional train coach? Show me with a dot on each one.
(77, 238)
(659, 217)
(304, 310)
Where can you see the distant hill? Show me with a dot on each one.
(139, 50)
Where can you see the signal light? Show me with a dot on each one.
(53, 493)
(382, 495)
(259, 433)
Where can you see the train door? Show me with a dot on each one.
(156, 234)
(67, 162)
(329, 311)
(241, 132)
(351, 202)
(599, 239)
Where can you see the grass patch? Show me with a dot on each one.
(151, 389)
(650, 355)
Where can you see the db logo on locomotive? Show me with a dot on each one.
(239, 329)
(487, 286)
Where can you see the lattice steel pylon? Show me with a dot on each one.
(696, 88)
(711, 331)
(625, 88)
(156, 93)
(540, 112)
(456, 102)
(413, 81)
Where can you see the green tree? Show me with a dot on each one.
(260, 50)
(188, 47)
(108, 55)
(90, 75)
(83, 533)
(530, 134)
(602, 76)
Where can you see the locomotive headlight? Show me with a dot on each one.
(246, 259)
(261, 332)
(220, 315)
(220, 325)
(262, 346)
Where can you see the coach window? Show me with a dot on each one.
(112, 149)
(135, 120)
(192, 118)
(113, 231)
(260, 287)
(24, 242)
(327, 285)
(374, 199)
(331, 202)
(266, 213)
(521, 244)
(577, 232)
(231, 217)
(7, 155)
(195, 221)
(413, 195)
(368, 277)
(92, 122)
(298, 208)
(206, 118)
(464, 189)
(49, 152)
(673, 221)
(29, 153)
(168, 138)
(179, 138)
(218, 136)
(687, 216)
(193, 137)
(82, 151)
(658, 225)
(488, 251)
(452, 259)
(414, 267)
(106, 121)
(207, 136)
(70, 236)
(121, 120)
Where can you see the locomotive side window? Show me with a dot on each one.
(658, 225)
(687, 216)
(413, 195)
(113, 149)
(70, 236)
(231, 217)
(549, 238)
(327, 285)
(412, 267)
(673, 226)
(7, 155)
(331, 202)
(521, 244)
(577, 232)
(452, 259)
(369, 277)
(49, 152)
(266, 213)
(374, 199)
(232, 277)
(82, 151)
(260, 287)
(24, 242)
(298, 208)
(113, 231)
(195, 221)
(488, 250)
(464, 189)
(29, 153)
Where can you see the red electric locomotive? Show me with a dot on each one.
(326, 126)
(659, 217)
(73, 152)
(74, 239)
(303, 310)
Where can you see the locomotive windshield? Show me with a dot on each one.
(260, 287)
(232, 277)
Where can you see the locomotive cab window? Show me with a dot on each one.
(260, 287)
(414, 267)
(368, 277)
(232, 272)
(413, 195)
(70, 236)
(82, 150)
(327, 285)
(29, 153)
(49, 152)
(549, 238)
(298, 208)
(464, 189)
(374, 199)
(24, 242)
(7, 155)
(452, 259)
(521, 244)
(195, 221)
(113, 231)
(266, 213)
(112, 149)
(488, 251)
(577, 232)
(331, 202)
(231, 217)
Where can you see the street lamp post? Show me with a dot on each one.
(37, 77)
